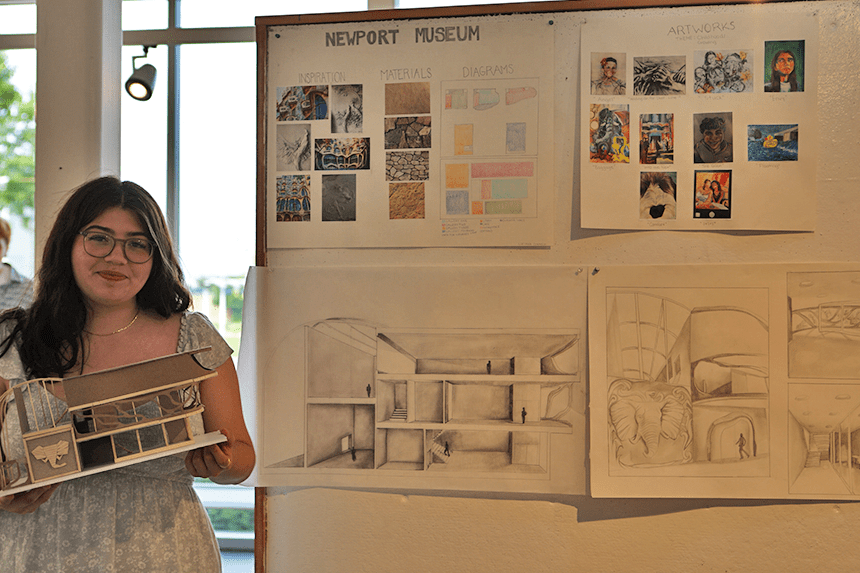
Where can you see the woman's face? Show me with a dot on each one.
(707, 184)
(713, 138)
(609, 69)
(715, 186)
(111, 280)
(784, 64)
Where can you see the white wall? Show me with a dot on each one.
(321, 530)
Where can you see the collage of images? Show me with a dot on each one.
(716, 140)
(407, 131)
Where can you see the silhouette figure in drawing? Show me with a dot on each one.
(524, 415)
(741, 443)
(447, 451)
(489, 367)
(368, 390)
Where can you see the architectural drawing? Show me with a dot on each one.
(824, 439)
(447, 402)
(824, 340)
(688, 382)
(422, 378)
(67, 428)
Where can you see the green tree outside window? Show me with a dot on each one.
(17, 146)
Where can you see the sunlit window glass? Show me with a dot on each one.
(223, 13)
(143, 156)
(144, 14)
(217, 202)
(17, 155)
(18, 18)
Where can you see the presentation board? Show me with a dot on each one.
(413, 133)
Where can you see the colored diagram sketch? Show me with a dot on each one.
(489, 144)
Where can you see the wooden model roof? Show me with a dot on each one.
(134, 379)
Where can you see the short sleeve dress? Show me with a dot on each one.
(145, 517)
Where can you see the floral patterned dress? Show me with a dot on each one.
(144, 517)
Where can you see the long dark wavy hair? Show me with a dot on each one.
(775, 75)
(49, 334)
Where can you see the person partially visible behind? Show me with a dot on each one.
(15, 289)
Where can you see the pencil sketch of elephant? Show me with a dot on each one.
(650, 423)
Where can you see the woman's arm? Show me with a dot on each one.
(230, 461)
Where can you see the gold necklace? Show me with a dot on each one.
(118, 330)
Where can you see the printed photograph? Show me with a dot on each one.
(712, 195)
(342, 154)
(656, 138)
(293, 201)
(772, 142)
(408, 132)
(401, 99)
(609, 133)
(784, 66)
(294, 147)
(663, 75)
(406, 200)
(657, 193)
(338, 197)
(724, 72)
(607, 74)
(712, 137)
(347, 109)
(299, 103)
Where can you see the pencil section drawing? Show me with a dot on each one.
(440, 402)
(687, 382)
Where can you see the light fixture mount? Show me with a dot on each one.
(141, 83)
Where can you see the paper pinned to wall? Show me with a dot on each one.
(435, 132)
(420, 378)
(726, 381)
(703, 121)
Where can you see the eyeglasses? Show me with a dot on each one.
(98, 244)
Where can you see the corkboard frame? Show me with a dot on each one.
(262, 25)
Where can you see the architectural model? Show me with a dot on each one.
(96, 422)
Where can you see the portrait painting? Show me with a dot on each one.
(723, 72)
(608, 72)
(712, 138)
(784, 63)
(712, 195)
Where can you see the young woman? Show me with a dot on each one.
(783, 76)
(111, 293)
(607, 83)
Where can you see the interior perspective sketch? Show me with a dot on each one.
(687, 385)
(824, 439)
(441, 402)
(824, 340)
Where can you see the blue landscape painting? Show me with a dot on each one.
(772, 142)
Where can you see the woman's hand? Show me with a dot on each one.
(211, 461)
(28, 501)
